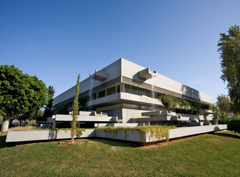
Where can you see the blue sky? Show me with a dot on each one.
(57, 40)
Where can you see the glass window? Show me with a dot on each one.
(118, 88)
(101, 94)
(147, 92)
(136, 90)
(127, 88)
(94, 96)
(158, 95)
(111, 90)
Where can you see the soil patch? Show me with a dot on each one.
(67, 143)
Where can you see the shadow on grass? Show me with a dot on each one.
(228, 134)
(2, 141)
(113, 142)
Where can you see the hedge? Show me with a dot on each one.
(234, 124)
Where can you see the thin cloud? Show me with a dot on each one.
(199, 81)
(195, 83)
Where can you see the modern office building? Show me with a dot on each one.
(130, 93)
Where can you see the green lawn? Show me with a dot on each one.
(207, 155)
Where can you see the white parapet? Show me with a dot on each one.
(18, 136)
(159, 113)
(136, 136)
(99, 125)
(82, 118)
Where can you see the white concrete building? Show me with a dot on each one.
(130, 92)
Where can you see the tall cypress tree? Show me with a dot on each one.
(75, 111)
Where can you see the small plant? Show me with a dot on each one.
(184, 103)
(169, 101)
(31, 122)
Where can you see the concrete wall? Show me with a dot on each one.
(130, 70)
(113, 70)
(99, 125)
(129, 115)
(62, 117)
(173, 133)
(18, 136)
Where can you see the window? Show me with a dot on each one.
(94, 96)
(101, 94)
(136, 90)
(147, 92)
(127, 88)
(118, 88)
(158, 95)
(111, 90)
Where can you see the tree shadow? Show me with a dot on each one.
(2, 141)
(225, 134)
(114, 142)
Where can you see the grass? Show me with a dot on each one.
(207, 155)
(26, 128)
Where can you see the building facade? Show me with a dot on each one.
(130, 92)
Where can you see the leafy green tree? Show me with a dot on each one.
(224, 104)
(229, 48)
(19, 93)
(75, 111)
(48, 112)
(41, 90)
(30, 115)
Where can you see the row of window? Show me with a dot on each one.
(141, 91)
(106, 92)
(128, 89)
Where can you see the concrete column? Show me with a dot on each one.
(122, 89)
(78, 125)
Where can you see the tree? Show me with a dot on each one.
(19, 93)
(48, 108)
(30, 115)
(229, 48)
(75, 111)
(224, 104)
(41, 93)
(215, 114)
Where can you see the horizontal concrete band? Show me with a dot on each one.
(19, 136)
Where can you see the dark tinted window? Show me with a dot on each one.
(101, 94)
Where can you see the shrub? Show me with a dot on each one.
(184, 103)
(41, 118)
(234, 124)
(169, 101)
(223, 120)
